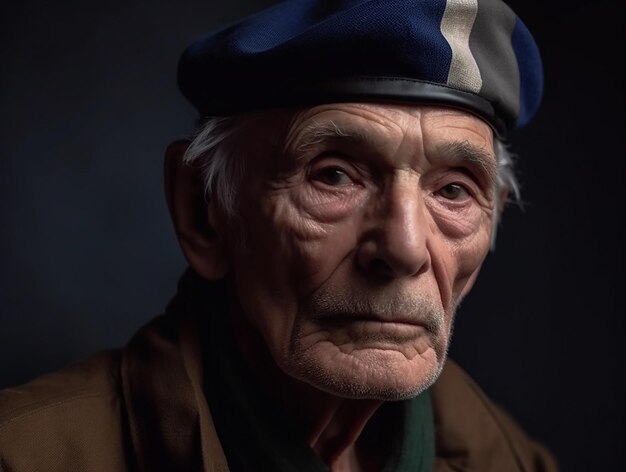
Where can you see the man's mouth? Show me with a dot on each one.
(375, 321)
(390, 328)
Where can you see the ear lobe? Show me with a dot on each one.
(195, 220)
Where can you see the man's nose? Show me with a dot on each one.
(397, 243)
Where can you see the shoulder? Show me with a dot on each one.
(472, 433)
(60, 420)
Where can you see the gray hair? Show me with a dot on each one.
(214, 152)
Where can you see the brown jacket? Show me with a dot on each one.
(143, 408)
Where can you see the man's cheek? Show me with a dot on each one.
(310, 249)
(469, 259)
(318, 260)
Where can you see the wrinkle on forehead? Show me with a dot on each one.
(313, 123)
(453, 119)
(316, 133)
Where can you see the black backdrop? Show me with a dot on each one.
(89, 102)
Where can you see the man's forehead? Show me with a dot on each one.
(379, 122)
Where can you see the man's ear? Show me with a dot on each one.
(195, 219)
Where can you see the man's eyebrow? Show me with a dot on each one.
(471, 154)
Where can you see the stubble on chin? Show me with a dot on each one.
(368, 371)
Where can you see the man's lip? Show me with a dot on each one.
(359, 317)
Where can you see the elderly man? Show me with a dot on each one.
(335, 205)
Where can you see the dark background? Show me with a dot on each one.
(89, 102)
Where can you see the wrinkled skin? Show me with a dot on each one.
(363, 227)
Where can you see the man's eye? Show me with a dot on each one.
(333, 176)
(453, 192)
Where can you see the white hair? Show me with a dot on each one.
(507, 186)
(213, 150)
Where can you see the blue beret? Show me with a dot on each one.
(471, 54)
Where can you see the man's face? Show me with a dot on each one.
(364, 225)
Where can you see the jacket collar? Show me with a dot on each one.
(170, 423)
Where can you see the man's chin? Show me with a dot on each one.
(379, 372)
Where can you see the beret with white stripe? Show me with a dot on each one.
(475, 55)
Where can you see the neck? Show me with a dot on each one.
(333, 434)
(331, 425)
